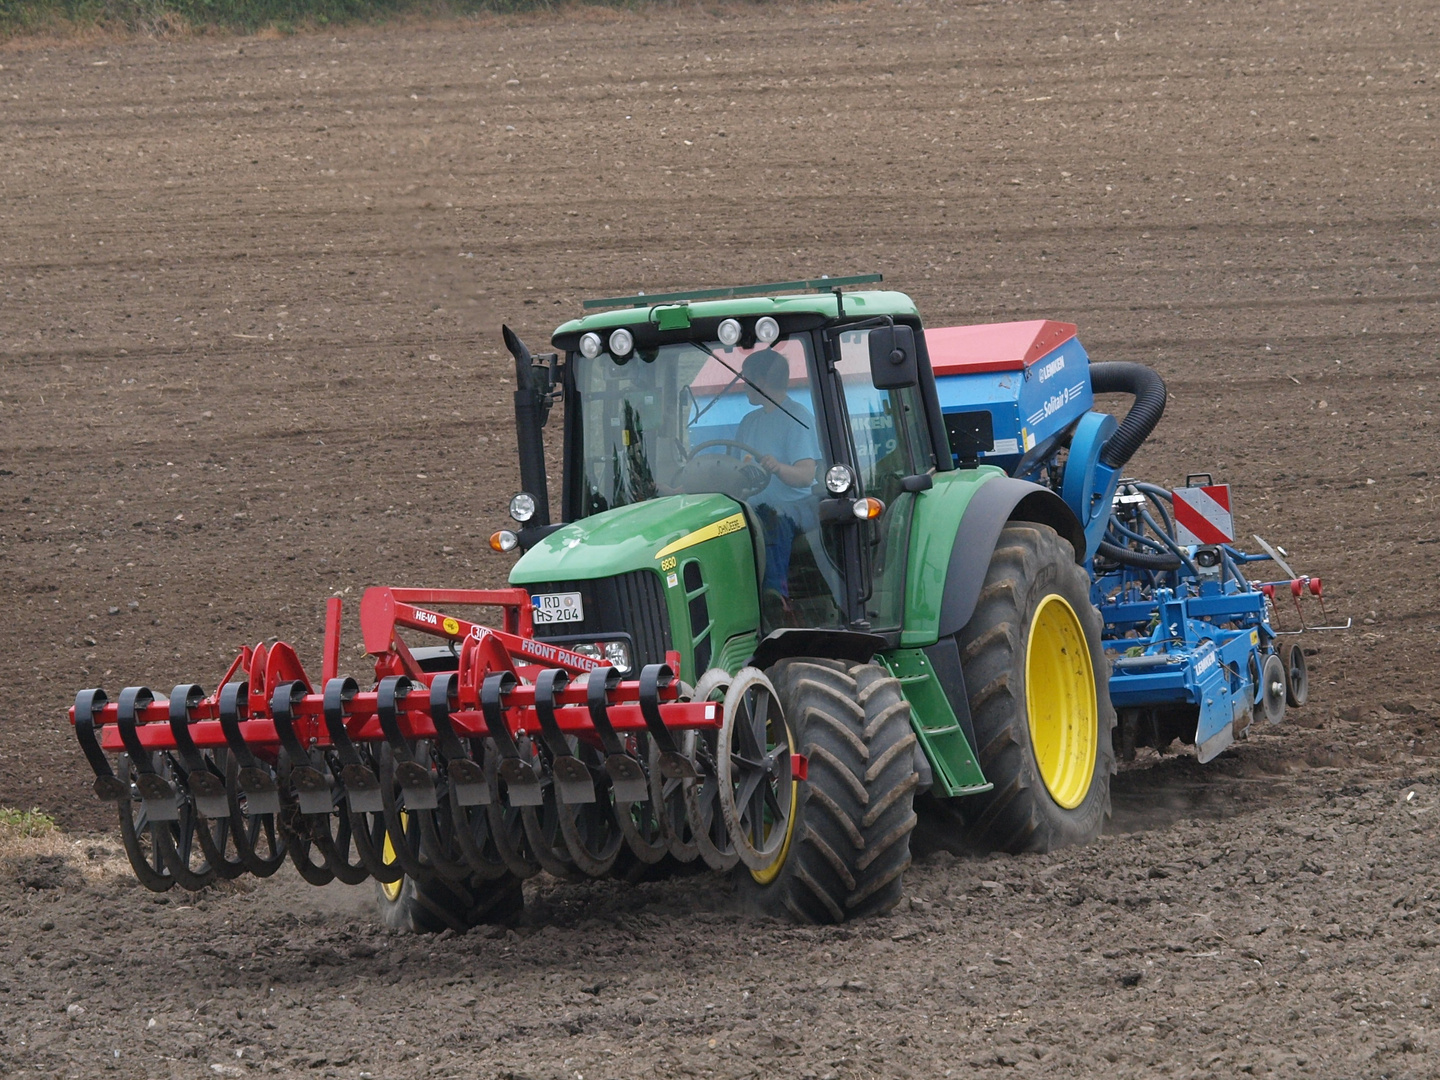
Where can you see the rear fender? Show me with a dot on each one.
(952, 573)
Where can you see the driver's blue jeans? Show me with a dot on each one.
(779, 539)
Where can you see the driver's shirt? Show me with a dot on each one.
(790, 439)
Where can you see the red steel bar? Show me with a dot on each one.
(364, 726)
(382, 611)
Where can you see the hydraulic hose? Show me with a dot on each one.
(1148, 389)
(1141, 560)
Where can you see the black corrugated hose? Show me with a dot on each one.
(1148, 389)
(1141, 560)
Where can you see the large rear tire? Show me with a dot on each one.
(1038, 684)
(849, 843)
(410, 908)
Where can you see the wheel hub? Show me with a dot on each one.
(1060, 701)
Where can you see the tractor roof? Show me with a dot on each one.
(641, 309)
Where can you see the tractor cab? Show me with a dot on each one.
(802, 419)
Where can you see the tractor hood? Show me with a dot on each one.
(637, 537)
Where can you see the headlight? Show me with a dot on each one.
(504, 540)
(838, 479)
(728, 332)
(614, 653)
(621, 342)
(522, 507)
(618, 653)
(766, 329)
(590, 345)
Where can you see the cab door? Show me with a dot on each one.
(886, 442)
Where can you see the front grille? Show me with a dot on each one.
(632, 603)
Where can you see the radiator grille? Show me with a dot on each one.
(632, 603)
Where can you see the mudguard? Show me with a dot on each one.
(997, 502)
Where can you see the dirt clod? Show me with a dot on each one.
(44, 872)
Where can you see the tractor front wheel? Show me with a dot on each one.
(849, 835)
(1038, 685)
(409, 907)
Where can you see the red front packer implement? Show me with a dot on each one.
(517, 756)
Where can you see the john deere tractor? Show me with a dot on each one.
(810, 562)
(929, 627)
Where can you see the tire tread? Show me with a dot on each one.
(856, 812)
(1018, 814)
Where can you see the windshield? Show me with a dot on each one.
(696, 417)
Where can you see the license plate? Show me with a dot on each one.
(559, 607)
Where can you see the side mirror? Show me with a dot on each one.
(893, 363)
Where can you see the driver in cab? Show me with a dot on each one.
(783, 432)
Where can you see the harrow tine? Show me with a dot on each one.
(255, 780)
(312, 872)
(299, 832)
(667, 796)
(216, 835)
(546, 837)
(177, 845)
(157, 793)
(466, 776)
(183, 698)
(408, 821)
(573, 783)
(521, 781)
(507, 823)
(334, 847)
(320, 798)
(627, 776)
(368, 833)
(206, 786)
(475, 838)
(139, 835)
(362, 786)
(591, 831)
(259, 844)
(309, 778)
(653, 679)
(402, 825)
(415, 779)
(468, 820)
(362, 822)
(107, 785)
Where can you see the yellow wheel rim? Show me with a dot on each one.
(771, 872)
(1060, 701)
(391, 889)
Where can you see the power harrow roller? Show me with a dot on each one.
(478, 763)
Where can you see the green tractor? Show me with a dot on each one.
(764, 481)
(813, 567)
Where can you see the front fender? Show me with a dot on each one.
(953, 537)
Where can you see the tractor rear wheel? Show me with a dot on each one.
(1038, 684)
(409, 907)
(849, 842)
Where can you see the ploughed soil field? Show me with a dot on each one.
(250, 358)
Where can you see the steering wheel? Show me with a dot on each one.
(723, 473)
(735, 443)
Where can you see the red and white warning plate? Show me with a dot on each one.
(1202, 515)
